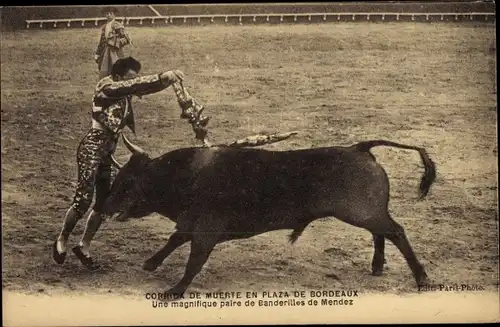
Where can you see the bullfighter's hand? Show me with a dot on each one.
(172, 76)
(179, 74)
(96, 58)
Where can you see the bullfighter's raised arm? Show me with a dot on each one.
(139, 86)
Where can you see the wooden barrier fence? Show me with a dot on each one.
(267, 18)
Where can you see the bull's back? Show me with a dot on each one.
(254, 180)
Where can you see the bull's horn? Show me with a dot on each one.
(115, 162)
(132, 147)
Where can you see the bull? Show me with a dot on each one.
(222, 193)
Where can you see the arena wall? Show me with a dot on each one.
(17, 17)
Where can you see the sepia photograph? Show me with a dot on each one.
(249, 163)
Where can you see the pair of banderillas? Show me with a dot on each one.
(193, 112)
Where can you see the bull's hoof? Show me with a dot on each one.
(150, 265)
(423, 281)
(377, 269)
(85, 260)
(58, 257)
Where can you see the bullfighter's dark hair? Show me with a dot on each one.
(122, 66)
(109, 9)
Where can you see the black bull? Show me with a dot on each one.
(222, 193)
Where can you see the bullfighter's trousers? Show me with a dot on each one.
(95, 170)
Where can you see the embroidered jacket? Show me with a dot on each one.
(112, 103)
(116, 38)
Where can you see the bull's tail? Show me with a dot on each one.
(430, 168)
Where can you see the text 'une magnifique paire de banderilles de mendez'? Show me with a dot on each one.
(254, 299)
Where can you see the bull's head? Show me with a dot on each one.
(127, 195)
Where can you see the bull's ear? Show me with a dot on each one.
(139, 161)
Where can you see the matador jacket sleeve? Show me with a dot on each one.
(112, 104)
(139, 86)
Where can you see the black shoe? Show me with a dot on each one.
(58, 257)
(85, 260)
